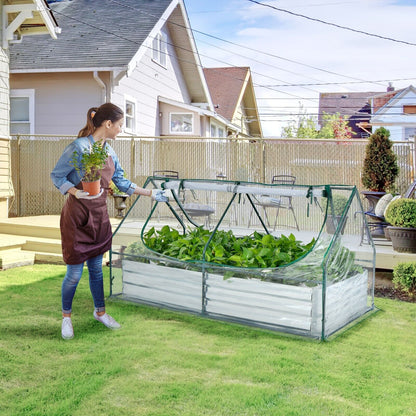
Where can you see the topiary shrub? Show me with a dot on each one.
(380, 167)
(339, 202)
(404, 277)
(402, 213)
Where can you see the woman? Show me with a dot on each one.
(85, 224)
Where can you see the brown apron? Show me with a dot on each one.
(85, 224)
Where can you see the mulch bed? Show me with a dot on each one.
(384, 288)
(392, 293)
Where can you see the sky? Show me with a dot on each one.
(293, 58)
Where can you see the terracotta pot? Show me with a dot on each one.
(93, 188)
(403, 239)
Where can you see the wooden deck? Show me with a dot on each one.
(29, 240)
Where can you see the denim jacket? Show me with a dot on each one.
(64, 176)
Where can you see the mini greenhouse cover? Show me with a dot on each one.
(291, 258)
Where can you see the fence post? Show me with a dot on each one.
(132, 158)
(18, 181)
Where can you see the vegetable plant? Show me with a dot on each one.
(255, 250)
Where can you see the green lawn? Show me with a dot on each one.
(165, 363)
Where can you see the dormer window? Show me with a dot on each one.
(159, 49)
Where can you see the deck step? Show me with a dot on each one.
(45, 245)
(15, 258)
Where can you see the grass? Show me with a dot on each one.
(166, 363)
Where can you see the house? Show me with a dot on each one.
(354, 105)
(233, 96)
(138, 54)
(396, 111)
(21, 19)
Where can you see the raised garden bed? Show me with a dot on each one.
(316, 294)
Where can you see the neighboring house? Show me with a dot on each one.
(354, 105)
(396, 111)
(138, 54)
(21, 19)
(233, 96)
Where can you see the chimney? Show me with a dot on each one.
(390, 87)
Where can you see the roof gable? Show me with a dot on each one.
(230, 88)
(95, 34)
(225, 86)
(383, 101)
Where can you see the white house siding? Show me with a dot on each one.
(61, 99)
(393, 119)
(6, 190)
(148, 81)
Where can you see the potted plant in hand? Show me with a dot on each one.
(119, 199)
(334, 212)
(90, 163)
(380, 167)
(401, 214)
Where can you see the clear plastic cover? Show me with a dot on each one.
(288, 257)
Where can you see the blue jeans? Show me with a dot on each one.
(72, 278)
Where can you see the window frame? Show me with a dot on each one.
(30, 95)
(159, 49)
(131, 100)
(181, 113)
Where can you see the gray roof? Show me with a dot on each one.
(95, 34)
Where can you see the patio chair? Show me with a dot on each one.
(278, 203)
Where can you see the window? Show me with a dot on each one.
(159, 49)
(409, 133)
(409, 109)
(217, 131)
(181, 123)
(130, 115)
(22, 112)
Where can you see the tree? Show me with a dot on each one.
(380, 167)
(334, 126)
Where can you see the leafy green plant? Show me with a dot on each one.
(380, 167)
(90, 162)
(404, 277)
(402, 213)
(256, 250)
(338, 202)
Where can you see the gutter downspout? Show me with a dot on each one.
(102, 85)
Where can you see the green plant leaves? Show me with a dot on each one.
(256, 250)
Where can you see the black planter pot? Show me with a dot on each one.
(403, 239)
(332, 222)
(372, 198)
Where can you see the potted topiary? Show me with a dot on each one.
(380, 168)
(334, 213)
(89, 164)
(401, 214)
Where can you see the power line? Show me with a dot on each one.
(332, 24)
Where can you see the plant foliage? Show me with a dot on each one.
(255, 250)
(404, 277)
(380, 167)
(402, 213)
(90, 162)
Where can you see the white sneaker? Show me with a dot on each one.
(107, 320)
(67, 329)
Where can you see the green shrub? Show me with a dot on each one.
(402, 213)
(380, 167)
(404, 277)
(339, 202)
